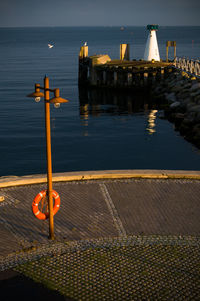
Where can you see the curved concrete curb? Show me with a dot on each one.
(97, 175)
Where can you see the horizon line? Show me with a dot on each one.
(124, 26)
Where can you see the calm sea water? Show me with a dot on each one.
(112, 132)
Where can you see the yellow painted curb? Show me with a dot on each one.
(97, 175)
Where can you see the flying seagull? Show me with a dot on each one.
(50, 45)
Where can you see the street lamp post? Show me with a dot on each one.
(56, 100)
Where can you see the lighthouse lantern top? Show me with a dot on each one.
(152, 27)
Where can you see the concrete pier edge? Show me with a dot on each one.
(9, 181)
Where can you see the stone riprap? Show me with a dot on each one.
(182, 92)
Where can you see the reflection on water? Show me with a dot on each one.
(151, 127)
(98, 102)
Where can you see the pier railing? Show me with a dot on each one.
(188, 65)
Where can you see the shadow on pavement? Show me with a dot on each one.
(14, 285)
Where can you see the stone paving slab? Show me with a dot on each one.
(109, 208)
(9, 242)
(157, 206)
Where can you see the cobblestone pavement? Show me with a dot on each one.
(116, 240)
(126, 268)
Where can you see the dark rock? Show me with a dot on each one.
(196, 135)
(178, 119)
(186, 126)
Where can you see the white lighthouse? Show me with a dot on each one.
(151, 50)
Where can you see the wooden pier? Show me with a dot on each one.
(102, 71)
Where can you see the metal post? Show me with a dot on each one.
(167, 50)
(49, 160)
(174, 50)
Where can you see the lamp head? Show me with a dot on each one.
(37, 94)
(57, 100)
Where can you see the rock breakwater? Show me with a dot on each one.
(182, 93)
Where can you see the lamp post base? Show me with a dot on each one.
(51, 237)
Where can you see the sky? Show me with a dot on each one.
(21, 13)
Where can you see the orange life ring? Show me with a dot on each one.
(37, 199)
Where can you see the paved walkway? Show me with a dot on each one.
(120, 226)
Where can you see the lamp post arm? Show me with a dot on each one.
(47, 89)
